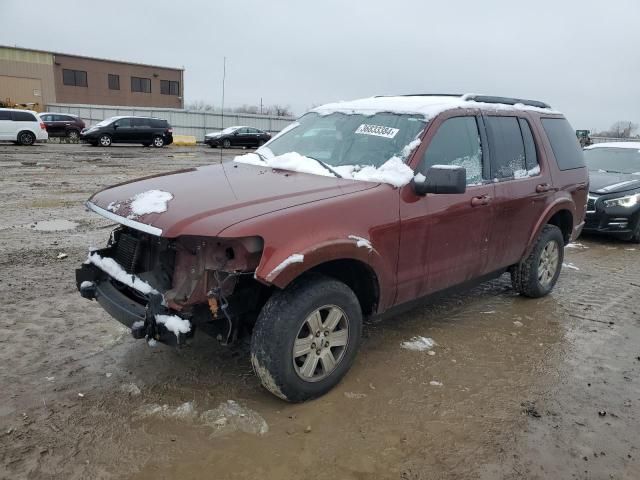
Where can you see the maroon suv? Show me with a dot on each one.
(356, 208)
(63, 125)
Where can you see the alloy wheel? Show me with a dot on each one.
(548, 265)
(321, 343)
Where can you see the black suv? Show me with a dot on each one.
(62, 125)
(145, 130)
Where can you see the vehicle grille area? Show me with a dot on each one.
(127, 252)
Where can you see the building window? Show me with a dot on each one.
(114, 82)
(76, 78)
(169, 87)
(140, 84)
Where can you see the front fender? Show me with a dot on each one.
(284, 265)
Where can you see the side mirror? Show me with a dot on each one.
(442, 179)
(115, 125)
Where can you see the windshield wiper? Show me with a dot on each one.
(326, 166)
(260, 156)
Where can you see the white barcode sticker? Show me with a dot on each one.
(377, 130)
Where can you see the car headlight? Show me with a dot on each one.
(627, 201)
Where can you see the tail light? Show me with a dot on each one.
(170, 130)
(42, 126)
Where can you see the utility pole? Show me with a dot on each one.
(260, 105)
(224, 76)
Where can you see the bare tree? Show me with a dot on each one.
(200, 105)
(620, 129)
(280, 110)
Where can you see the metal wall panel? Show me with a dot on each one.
(184, 122)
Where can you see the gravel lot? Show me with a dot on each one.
(516, 388)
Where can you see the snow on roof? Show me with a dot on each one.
(632, 145)
(427, 105)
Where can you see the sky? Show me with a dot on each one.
(582, 57)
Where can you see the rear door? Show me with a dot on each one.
(7, 126)
(522, 183)
(142, 132)
(443, 237)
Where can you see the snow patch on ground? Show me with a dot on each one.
(576, 245)
(174, 324)
(111, 267)
(184, 411)
(130, 388)
(230, 416)
(151, 201)
(418, 344)
(361, 242)
(291, 259)
(435, 383)
(570, 265)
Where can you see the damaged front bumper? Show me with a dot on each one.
(138, 315)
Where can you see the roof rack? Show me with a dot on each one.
(504, 100)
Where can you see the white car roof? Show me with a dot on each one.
(632, 145)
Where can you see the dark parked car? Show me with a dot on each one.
(62, 125)
(614, 189)
(296, 243)
(237, 137)
(145, 130)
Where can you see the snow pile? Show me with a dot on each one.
(151, 201)
(111, 267)
(420, 178)
(184, 411)
(230, 416)
(361, 242)
(174, 324)
(295, 258)
(394, 171)
(632, 145)
(527, 173)
(419, 344)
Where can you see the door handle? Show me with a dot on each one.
(543, 187)
(480, 201)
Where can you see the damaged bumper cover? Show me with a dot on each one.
(142, 318)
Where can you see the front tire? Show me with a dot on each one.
(306, 338)
(26, 138)
(536, 276)
(226, 144)
(105, 140)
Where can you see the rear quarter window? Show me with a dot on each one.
(23, 117)
(564, 143)
(155, 123)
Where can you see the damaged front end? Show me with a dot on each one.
(163, 289)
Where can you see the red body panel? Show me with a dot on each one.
(419, 245)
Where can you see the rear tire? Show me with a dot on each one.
(26, 138)
(536, 275)
(320, 358)
(158, 141)
(73, 135)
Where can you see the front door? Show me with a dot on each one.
(444, 237)
(123, 131)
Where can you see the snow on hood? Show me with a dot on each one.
(630, 145)
(394, 171)
(151, 201)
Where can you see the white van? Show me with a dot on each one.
(21, 126)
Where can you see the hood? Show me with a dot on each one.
(604, 183)
(206, 200)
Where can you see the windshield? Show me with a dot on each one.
(611, 159)
(106, 121)
(228, 130)
(339, 139)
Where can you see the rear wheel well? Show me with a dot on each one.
(358, 276)
(564, 221)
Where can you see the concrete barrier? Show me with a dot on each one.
(184, 141)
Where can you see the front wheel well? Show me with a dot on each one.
(563, 219)
(358, 276)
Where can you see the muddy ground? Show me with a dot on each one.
(516, 388)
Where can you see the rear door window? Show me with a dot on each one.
(140, 122)
(457, 142)
(5, 115)
(564, 143)
(530, 154)
(23, 116)
(507, 146)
